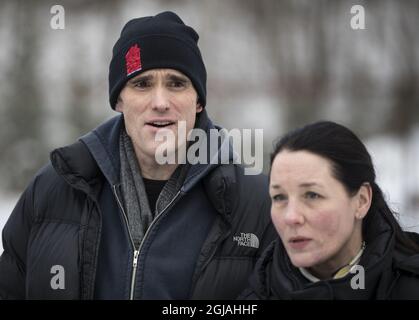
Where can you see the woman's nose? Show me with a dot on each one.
(294, 213)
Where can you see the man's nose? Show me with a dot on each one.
(294, 214)
(160, 99)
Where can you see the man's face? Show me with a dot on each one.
(157, 100)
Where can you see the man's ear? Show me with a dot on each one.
(364, 200)
(119, 105)
(199, 107)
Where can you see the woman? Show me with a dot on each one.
(339, 239)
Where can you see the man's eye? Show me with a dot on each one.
(312, 195)
(177, 84)
(279, 197)
(142, 84)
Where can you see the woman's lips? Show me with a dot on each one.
(298, 243)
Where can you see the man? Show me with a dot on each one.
(106, 220)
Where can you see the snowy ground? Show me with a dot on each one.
(397, 170)
(7, 203)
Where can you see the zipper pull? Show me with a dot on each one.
(134, 263)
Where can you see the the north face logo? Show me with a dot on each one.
(247, 240)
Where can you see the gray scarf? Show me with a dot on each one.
(137, 208)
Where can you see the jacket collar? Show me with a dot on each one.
(103, 144)
(76, 166)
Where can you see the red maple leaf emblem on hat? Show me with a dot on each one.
(133, 59)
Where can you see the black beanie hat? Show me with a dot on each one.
(162, 41)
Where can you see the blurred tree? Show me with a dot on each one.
(305, 39)
(405, 109)
(294, 33)
(78, 114)
(22, 142)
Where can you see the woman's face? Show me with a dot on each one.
(317, 220)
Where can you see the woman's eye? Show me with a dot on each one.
(312, 195)
(279, 197)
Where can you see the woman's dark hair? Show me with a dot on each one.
(351, 165)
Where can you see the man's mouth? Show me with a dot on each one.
(160, 124)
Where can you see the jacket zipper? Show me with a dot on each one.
(156, 218)
(137, 252)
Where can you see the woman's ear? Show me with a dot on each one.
(364, 196)
(199, 107)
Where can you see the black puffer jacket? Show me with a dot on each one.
(389, 274)
(204, 246)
